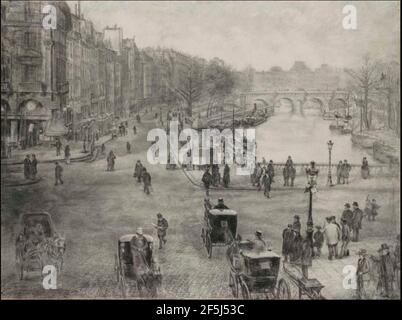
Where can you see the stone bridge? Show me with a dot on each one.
(326, 101)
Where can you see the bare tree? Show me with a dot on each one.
(190, 84)
(366, 79)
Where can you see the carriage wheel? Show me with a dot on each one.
(208, 245)
(233, 284)
(283, 291)
(245, 292)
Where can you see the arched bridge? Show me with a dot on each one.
(326, 101)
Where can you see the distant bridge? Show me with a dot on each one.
(326, 100)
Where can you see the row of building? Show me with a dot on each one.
(73, 80)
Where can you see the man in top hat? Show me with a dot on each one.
(207, 180)
(318, 241)
(221, 205)
(287, 238)
(345, 238)
(259, 243)
(357, 221)
(362, 273)
(296, 223)
(347, 214)
(386, 271)
(161, 226)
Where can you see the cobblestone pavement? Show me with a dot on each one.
(94, 208)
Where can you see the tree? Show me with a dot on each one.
(189, 85)
(366, 78)
(219, 81)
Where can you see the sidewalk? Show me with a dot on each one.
(333, 273)
(46, 154)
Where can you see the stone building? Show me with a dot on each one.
(34, 90)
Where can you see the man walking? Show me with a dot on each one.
(285, 176)
(67, 154)
(362, 274)
(266, 182)
(226, 176)
(292, 175)
(345, 171)
(287, 238)
(138, 171)
(357, 221)
(345, 239)
(110, 161)
(347, 214)
(206, 180)
(27, 167)
(146, 178)
(58, 147)
(161, 226)
(34, 165)
(58, 171)
(386, 271)
(318, 241)
(339, 178)
(271, 170)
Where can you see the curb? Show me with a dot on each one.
(19, 184)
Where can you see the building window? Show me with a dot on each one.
(29, 73)
(28, 11)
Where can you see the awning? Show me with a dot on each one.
(55, 128)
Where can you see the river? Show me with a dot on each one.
(304, 139)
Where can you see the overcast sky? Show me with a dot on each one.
(261, 34)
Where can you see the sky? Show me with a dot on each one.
(261, 34)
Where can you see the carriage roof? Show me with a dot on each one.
(255, 255)
(224, 212)
(128, 237)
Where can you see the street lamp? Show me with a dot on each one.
(329, 181)
(311, 189)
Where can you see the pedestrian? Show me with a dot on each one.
(58, 146)
(146, 178)
(226, 176)
(332, 235)
(67, 154)
(285, 176)
(34, 167)
(138, 118)
(264, 161)
(357, 221)
(58, 171)
(292, 175)
(345, 171)
(110, 161)
(289, 162)
(287, 238)
(374, 209)
(103, 149)
(206, 180)
(266, 182)
(306, 256)
(138, 171)
(161, 227)
(365, 170)
(134, 130)
(386, 271)
(318, 241)
(84, 146)
(397, 261)
(347, 214)
(258, 176)
(296, 223)
(345, 239)
(128, 147)
(362, 274)
(221, 205)
(271, 170)
(27, 167)
(339, 177)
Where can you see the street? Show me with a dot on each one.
(93, 208)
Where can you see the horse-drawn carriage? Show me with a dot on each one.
(219, 229)
(135, 265)
(38, 244)
(255, 272)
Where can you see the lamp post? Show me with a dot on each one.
(311, 189)
(329, 181)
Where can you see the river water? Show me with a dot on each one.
(304, 139)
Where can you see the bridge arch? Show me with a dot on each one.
(338, 104)
(264, 102)
(277, 102)
(315, 100)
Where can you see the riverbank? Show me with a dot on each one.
(384, 145)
